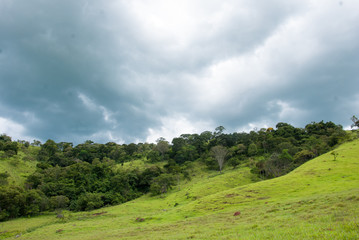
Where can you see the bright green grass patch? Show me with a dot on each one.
(19, 167)
(319, 200)
(140, 164)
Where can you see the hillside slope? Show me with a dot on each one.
(319, 200)
(19, 166)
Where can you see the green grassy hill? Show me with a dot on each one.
(19, 166)
(319, 200)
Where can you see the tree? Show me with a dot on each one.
(252, 149)
(5, 138)
(278, 164)
(33, 202)
(131, 148)
(11, 202)
(219, 131)
(50, 147)
(9, 147)
(219, 153)
(59, 202)
(88, 201)
(355, 122)
(177, 144)
(162, 147)
(153, 156)
(234, 161)
(335, 154)
(162, 184)
(36, 143)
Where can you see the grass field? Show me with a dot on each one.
(319, 200)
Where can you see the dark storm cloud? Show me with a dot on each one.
(52, 53)
(135, 71)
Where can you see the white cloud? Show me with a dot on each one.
(87, 102)
(13, 129)
(92, 106)
(105, 136)
(175, 24)
(255, 126)
(285, 111)
(174, 126)
(234, 78)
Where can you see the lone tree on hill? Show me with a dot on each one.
(355, 122)
(219, 152)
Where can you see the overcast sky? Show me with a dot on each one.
(134, 71)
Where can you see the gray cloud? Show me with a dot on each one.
(134, 71)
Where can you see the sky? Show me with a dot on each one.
(133, 71)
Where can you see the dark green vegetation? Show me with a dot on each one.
(90, 175)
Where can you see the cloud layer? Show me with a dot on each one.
(128, 71)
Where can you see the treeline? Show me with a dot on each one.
(89, 175)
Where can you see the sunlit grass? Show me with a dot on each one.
(18, 167)
(140, 164)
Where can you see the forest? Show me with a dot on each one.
(91, 175)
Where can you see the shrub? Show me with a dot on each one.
(303, 156)
(162, 184)
(88, 201)
(59, 202)
(11, 202)
(234, 161)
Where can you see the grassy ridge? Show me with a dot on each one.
(319, 200)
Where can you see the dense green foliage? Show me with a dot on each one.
(9, 147)
(89, 175)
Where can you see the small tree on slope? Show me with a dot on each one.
(355, 122)
(219, 153)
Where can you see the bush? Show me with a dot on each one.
(154, 156)
(211, 163)
(252, 149)
(162, 184)
(59, 202)
(234, 161)
(33, 202)
(303, 156)
(11, 202)
(146, 178)
(88, 201)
